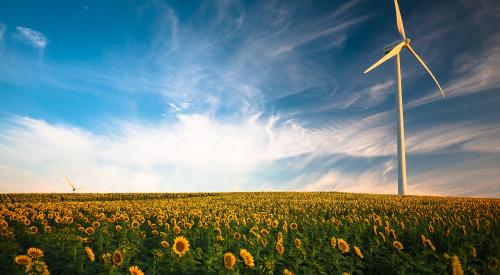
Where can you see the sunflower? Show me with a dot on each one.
(47, 229)
(135, 224)
(33, 230)
(164, 244)
(293, 226)
(264, 232)
(397, 245)
(280, 237)
(333, 242)
(35, 253)
(181, 246)
(343, 246)
(106, 257)
(118, 228)
(275, 223)
(229, 260)
(247, 258)
(287, 272)
(117, 257)
(177, 229)
(456, 267)
(236, 236)
(89, 230)
(279, 248)
(135, 270)
(96, 224)
(39, 267)
(297, 242)
(358, 252)
(431, 229)
(90, 253)
(22, 260)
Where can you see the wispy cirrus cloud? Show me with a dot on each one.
(33, 37)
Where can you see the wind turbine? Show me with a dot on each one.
(71, 184)
(394, 50)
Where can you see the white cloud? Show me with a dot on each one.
(194, 154)
(199, 153)
(32, 37)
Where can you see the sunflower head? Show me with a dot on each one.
(90, 253)
(117, 257)
(287, 272)
(22, 260)
(180, 246)
(343, 246)
(358, 252)
(333, 242)
(229, 260)
(279, 248)
(35, 253)
(247, 258)
(297, 242)
(164, 244)
(33, 230)
(397, 245)
(135, 270)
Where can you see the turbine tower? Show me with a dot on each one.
(394, 50)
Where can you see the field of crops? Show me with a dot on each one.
(247, 233)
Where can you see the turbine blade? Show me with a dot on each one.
(69, 182)
(390, 54)
(399, 20)
(426, 68)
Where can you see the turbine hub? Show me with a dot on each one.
(391, 46)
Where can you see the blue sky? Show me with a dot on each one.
(171, 96)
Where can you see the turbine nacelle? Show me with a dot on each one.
(391, 46)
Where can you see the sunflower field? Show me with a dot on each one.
(247, 233)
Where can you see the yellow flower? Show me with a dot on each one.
(275, 223)
(236, 236)
(106, 257)
(247, 258)
(135, 270)
(35, 252)
(90, 253)
(22, 260)
(358, 252)
(177, 229)
(39, 267)
(135, 224)
(280, 248)
(343, 246)
(33, 230)
(118, 228)
(229, 260)
(293, 226)
(117, 257)
(333, 242)
(456, 267)
(397, 245)
(181, 246)
(287, 272)
(164, 244)
(297, 242)
(89, 230)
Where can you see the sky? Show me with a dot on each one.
(222, 96)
